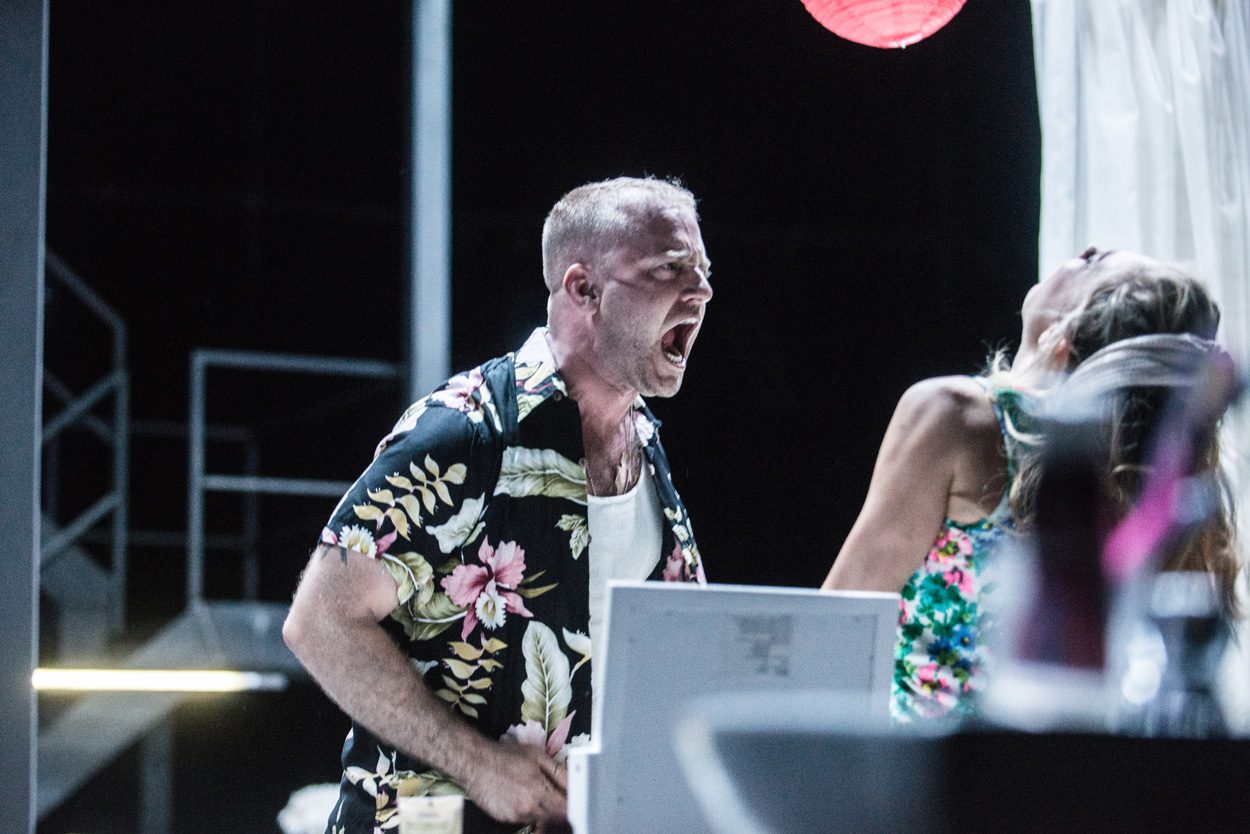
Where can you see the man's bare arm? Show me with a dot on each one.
(333, 628)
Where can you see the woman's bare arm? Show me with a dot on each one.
(908, 497)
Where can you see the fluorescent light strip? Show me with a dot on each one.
(154, 680)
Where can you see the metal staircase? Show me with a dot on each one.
(80, 591)
(87, 597)
(99, 726)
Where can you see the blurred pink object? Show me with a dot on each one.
(1158, 512)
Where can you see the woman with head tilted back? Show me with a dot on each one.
(940, 498)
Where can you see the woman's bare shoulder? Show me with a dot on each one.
(965, 425)
(948, 404)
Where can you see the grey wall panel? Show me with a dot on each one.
(23, 121)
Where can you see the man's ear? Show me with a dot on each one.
(579, 286)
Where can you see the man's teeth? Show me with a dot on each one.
(678, 334)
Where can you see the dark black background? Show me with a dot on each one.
(234, 176)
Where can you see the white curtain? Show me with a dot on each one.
(1145, 112)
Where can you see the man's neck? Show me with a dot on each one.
(603, 405)
(613, 455)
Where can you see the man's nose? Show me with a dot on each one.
(699, 288)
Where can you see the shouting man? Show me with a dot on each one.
(456, 601)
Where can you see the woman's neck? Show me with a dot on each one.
(1030, 373)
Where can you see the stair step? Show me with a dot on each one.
(81, 594)
(101, 725)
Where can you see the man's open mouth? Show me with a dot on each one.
(676, 342)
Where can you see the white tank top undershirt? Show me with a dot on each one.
(625, 541)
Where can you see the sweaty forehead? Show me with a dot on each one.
(659, 230)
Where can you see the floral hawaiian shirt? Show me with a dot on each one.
(476, 503)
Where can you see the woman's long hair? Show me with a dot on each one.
(1152, 300)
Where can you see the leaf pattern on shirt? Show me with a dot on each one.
(463, 688)
(413, 575)
(403, 510)
(546, 472)
(386, 783)
(546, 689)
(431, 619)
(464, 526)
(579, 531)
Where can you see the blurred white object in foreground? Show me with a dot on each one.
(308, 809)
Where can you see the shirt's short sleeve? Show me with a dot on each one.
(417, 504)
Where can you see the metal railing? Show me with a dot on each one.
(244, 542)
(200, 482)
(77, 411)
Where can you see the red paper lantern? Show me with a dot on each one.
(884, 23)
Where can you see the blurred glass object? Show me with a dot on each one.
(1030, 686)
(1173, 659)
(1050, 600)
(1096, 635)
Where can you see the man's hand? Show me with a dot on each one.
(517, 783)
(333, 629)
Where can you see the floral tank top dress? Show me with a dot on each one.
(939, 657)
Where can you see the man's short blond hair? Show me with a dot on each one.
(595, 218)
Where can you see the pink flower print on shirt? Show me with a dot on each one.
(674, 566)
(384, 543)
(956, 578)
(533, 734)
(530, 733)
(927, 676)
(459, 390)
(935, 685)
(504, 569)
(952, 542)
